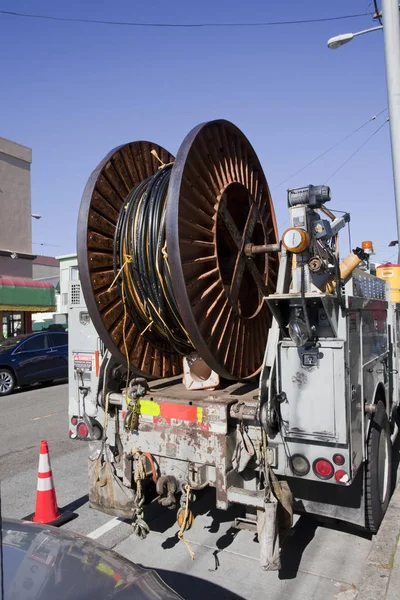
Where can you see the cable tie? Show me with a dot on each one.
(127, 260)
(154, 153)
(147, 327)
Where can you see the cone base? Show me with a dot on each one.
(64, 517)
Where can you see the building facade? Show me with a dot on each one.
(20, 294)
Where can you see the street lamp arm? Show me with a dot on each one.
(345, 38)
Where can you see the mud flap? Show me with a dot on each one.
(107, 492)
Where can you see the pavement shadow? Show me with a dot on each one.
(75, 504)
(68, 508)
(161, 519)
(299, 537)
(38, 386)
(195, 588)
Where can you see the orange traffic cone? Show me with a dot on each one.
(47, 511)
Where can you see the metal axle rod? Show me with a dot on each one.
(251, 249)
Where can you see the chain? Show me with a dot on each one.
(187, 514)
(139, 525)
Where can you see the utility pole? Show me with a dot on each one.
(391, 35)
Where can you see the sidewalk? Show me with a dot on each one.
(381, 579)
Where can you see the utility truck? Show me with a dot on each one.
(221, 354)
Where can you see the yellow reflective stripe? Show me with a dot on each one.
(148, 407)
(105, 569)
(152, 409)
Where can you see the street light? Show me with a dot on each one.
(391, 37)
(36, 216)
(345, 38)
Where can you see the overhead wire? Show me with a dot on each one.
(377, 12)
(47, 245)
(181, 25)
(356, 151)
(349, 135)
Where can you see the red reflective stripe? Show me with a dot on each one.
(178, 411)
(96, 362)
(45, 475)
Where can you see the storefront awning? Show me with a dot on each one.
(26, 295)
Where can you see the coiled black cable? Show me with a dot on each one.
(141, 265)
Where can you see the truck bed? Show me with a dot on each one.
(173, 390)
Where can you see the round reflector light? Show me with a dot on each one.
(299, 465)
(82, 430)
(74, 420)
(323, 468)
(338, 459)
(341, 476)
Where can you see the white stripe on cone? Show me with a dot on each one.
(44, 463)
(44, 485)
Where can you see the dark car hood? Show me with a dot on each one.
(45, 563)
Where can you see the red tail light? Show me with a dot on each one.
(338, 459)
(74, 420)
(341, 476)
(323, 468)
(82, 430)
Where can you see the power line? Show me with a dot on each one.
(377, 13)
(358, 149)
(42, 244)
(181, 25)
(330, 148)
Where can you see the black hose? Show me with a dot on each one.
(140, 260)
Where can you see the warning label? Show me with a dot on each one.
(83, 361)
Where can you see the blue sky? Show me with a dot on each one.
(73, 91)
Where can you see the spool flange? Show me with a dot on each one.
(218, 202)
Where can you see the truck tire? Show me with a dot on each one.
(378, 469)
(7, 381)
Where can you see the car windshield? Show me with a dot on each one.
(11, 343)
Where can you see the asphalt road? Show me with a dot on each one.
(27, 417)
(318, 561)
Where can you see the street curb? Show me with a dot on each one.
(379, 564)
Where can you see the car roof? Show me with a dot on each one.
(17, 339)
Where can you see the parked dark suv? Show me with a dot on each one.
(33, 358)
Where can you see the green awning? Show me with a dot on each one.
(26, 295)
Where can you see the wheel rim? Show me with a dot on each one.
(6, 382)
(383, 466)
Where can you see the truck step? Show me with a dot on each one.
(254, 498)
